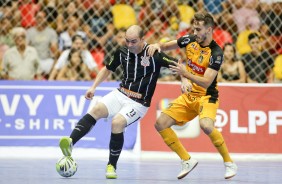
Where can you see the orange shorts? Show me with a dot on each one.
(187, 107)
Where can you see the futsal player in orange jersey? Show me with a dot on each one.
(200, 93)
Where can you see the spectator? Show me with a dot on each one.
(73, 28)
(232, 69)
(245, 14)
(10, 10)
(21, 62)
(6, 40)
(75, 69)
(98, 24)
(221, 36)
(66, 9)
(45, 40)
(258, 64)
(28, 10)
(272, 17)
(110, 47)
(77, 44)
(166, 11)
(278, 69)
(156, 31)
(51, 11)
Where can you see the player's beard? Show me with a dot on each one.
(200, 40)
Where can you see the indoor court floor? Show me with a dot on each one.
(136, 171)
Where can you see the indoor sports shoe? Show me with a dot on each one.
(231, 169)
(111, 172)
(66, 145)
(187, 166)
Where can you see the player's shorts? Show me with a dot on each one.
(187, 107)
(116, 102)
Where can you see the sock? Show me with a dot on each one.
(218, 141)
(171, 139)
(84, 125)
(116, 144)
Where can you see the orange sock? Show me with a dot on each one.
(218, 141)
(171, 139)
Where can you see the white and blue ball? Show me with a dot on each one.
(66, 166)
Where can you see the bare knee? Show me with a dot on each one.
(207, 125)
(118, 124)
(163, 122)
(99, 111)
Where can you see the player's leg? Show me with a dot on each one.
(130, 112)
(84, 125)
(207, 120)
(177, 112)
(115, 146)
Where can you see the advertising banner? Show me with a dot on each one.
(249, 117)
(39, 113)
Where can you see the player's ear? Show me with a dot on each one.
(210, 29)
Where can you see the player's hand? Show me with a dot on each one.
(186, 86)
(152, 49)
(89, 94)
(179, 68)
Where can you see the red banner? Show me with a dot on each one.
(249, 117)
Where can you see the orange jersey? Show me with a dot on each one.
(199, 59)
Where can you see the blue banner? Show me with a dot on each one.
(39, 113)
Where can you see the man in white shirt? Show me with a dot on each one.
(21, 62)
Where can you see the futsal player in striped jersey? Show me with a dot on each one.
(200, 97)
(128, 103)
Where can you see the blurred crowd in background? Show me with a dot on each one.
(73, 39)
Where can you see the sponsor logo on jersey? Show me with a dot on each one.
(218, 60)
(145, 61)
(196, 68)
(185, 41)
(130, 94)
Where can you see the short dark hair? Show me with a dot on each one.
(204, 16)
(252, 36)
(77, 36)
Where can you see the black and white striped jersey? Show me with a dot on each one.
(140, 72)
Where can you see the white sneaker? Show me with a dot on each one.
(187, 166)
(231, 170)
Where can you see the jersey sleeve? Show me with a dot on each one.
(114, 61)
(165, 59)
(185, 40)
(216, 60)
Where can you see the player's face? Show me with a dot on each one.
(200, 31)
(134, 43)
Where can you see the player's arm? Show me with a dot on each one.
(204, 81)
(102, 75)
(162, 47)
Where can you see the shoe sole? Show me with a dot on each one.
(229, 177)
(64, 145)
(180, 177)
(111, 177)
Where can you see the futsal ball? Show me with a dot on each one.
(66, 166)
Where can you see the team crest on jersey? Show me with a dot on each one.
(200, 60)
(145, 61)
